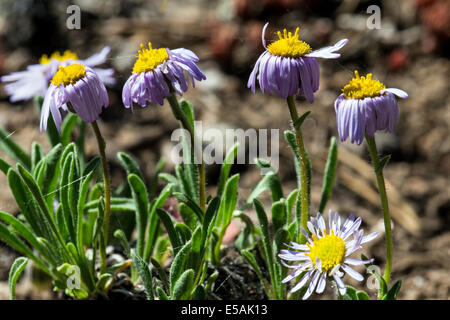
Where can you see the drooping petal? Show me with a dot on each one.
(328, 52)
(398, 92)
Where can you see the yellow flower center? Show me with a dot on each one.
(289, 45)
(58, 56)
(68, 75)
(330, 249)
(149, 58)
(363, 87)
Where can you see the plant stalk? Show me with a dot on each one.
(303, 196)
(107, 183)
(384, 205)
(180, 116)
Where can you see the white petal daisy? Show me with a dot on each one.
(326, 253)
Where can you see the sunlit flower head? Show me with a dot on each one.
(289, 66)
(326, 253)
(365, 106)
(36, 78)
(157, 72)
(78, 85)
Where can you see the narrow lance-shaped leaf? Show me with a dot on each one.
(16, 269)
(226, 167)
(330, 173)
(144, 273)
(168, 224)
(264, 225)
(140, 196)
(183, 286)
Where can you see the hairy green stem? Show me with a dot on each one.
(303, 196)
(106, 180)
(384, 205)
(180, 116)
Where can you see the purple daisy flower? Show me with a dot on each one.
(366, 106)
(288, 66)
(35, 80)
(325, 254)
(157, 72)
(81, 88)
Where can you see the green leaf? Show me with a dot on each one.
(130, 165)
(144, 273)
(140, 196)
(183, 286)
(290, 201)
(67, 127)
(36, 154)
(190, 203)
(92, 165)
(178, 265)
(299, 122)
(207, 222)
(154, 181)
(362, 295)
(16, 269)
(119, 234)
(278, 214)
(27, 204)
(228, 203)
(188, 215)
(13, 241)
(162, 274)
(80, 210)
(51, 174)
(350, 293)
(211, 279)
(226, 167)
(168, 224)
(26, 233)
(183, 232)
(167, 177)
(13, 150)
(200, 293)
(67, 176)
(383, 163)
(153, 225)
(250, 258)
(330, 173)
(393, 292)
(264, 225)
(269, 182)
(4, 166)
(161, 294)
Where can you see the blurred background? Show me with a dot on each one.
(410, 51)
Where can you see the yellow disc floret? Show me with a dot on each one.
(149, 58)
(330, 249)
(288, 45)
(68, 75)
(58, 56)
(363, 87)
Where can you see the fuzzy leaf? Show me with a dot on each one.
(226, 167)
(183, 286)
(16, 269)
(144, 273)
(330, 172)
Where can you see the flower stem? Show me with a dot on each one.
(384, 205)
(180, 116)
(106, 180)
(303, 196)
